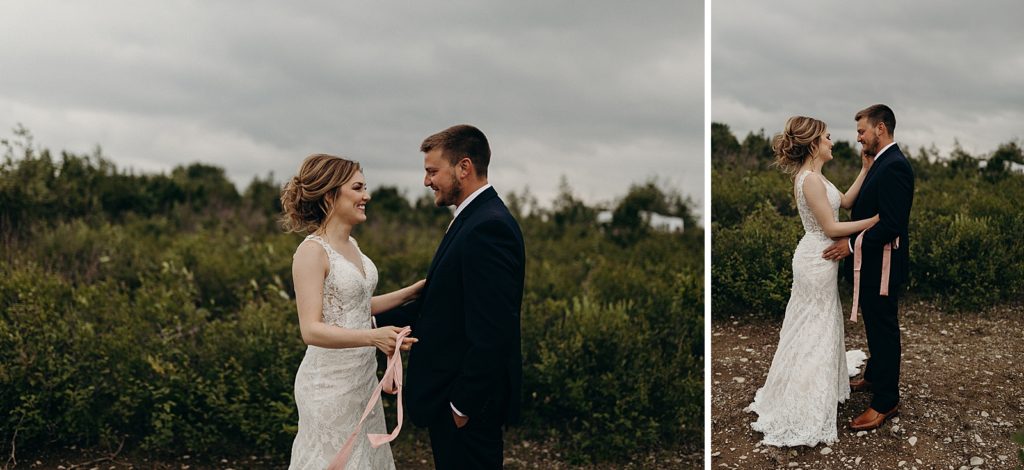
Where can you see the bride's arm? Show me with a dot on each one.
(385, 302)
(851, 194)
(817, 200)
(309, 268)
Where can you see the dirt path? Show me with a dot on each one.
(962, 390)
(412, 451)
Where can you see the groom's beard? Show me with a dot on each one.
(452, 196)
(873, 149)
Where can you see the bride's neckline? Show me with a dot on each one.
(360, 269)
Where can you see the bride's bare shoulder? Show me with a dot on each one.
(309, 251)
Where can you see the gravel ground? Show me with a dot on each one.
(962, 389)
(411, 450)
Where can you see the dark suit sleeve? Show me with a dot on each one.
(403, 315)
(492, 278)
(893, 206)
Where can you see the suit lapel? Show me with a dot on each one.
(889, 154)
(445, 243)
(456, 225)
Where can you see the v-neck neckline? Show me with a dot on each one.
(362, 264)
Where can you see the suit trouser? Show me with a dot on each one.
(477, 445)
(881, 323)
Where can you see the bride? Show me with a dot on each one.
(808, 376)
(334, 285)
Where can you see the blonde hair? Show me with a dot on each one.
(797, 142)
(307, 198)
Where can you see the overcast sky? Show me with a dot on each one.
(949, 69)
(606, 93)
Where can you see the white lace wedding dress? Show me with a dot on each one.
(332, 386)
(808, 377)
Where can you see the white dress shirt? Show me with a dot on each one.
(469, 199)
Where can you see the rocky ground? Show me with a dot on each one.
(962, 390)
(412, 451)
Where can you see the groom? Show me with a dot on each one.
(888, 190)
(465, 372)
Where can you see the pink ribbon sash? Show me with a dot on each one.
(858, 259)
(390, 383)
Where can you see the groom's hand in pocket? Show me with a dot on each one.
(837, 250)
(460, 421)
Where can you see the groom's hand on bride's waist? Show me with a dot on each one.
(838, 250)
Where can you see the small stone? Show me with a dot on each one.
(743, 359)
(902, 463)
(984, 414)
(826, 451)
(792, 453)
(1002, 458)
(912, 440)
(975, 461)
(739, 380)
(857, 460)
(896, 419)
(895, 429)
(793, 464)
(947, 440)
(716, 454)
(862, 433)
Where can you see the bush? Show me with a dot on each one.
(165, 320)
(751, 264)
(964, 227)
(604, 383)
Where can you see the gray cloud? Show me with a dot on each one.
(950, 70)
(606, 93)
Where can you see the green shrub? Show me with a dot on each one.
(965, 226)
(751, 264)
(157, 310)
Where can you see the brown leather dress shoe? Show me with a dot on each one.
(872, 419)
(860, 385)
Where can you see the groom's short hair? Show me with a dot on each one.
(458, 142)
(878, 113)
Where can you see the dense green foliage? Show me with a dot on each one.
(965, 225)
(157, 309)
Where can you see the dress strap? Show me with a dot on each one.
(323, 243)
(800, 183)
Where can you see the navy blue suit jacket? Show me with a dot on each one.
(467, 319)
(888, 191)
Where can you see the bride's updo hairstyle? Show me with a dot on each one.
(797, 142)
(307, 198)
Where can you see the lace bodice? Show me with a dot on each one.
(835, 197)
(347, 293)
